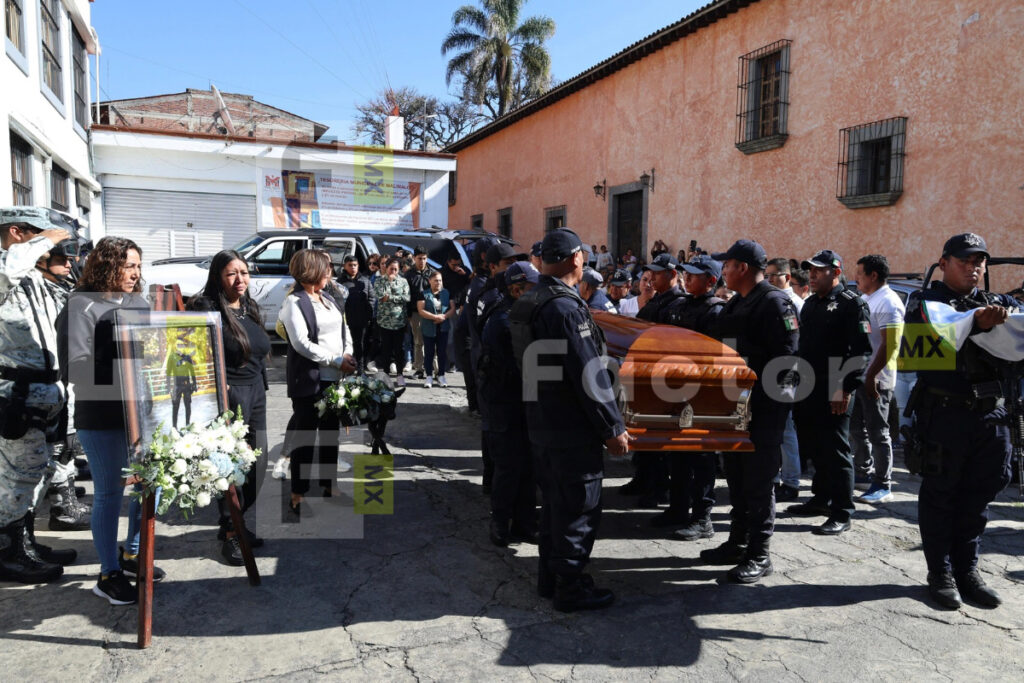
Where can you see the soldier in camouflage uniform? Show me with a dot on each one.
(31, 396)
(66, 512)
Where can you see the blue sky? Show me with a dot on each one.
(318, 58)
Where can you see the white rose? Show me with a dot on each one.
(202, 499)
(221, 484)
(355, 392)
(183, 489)
(179, 467)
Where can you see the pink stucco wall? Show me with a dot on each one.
(953, 68)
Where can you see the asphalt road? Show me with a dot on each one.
(422, 594)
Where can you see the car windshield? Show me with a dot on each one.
(247, 244)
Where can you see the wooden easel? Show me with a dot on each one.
(169, 299)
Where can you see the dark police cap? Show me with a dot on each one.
(826, 258)
(521, 271)
(662, 262)
(965, 244)
(703, 265)
(744, 251)
(535, 249)
(592, 277)
(501, 251)
(621, 277)
(560, 244)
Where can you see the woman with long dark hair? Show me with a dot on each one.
(246, 348)
(111, 281)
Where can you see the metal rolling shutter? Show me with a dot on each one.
(158, 221)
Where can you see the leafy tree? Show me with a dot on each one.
(500, 62)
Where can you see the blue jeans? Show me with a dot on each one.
(790, 473)
(107, 452)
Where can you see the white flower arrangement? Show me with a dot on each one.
(357, 399)
(196, 465)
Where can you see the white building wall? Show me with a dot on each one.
(152, 161)
(49, 128)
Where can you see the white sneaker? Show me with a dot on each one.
(344, 466)
(442, 382)
(428, 383)
(281, 468)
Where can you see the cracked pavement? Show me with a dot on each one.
(423, 595)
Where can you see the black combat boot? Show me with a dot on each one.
(732, 551)
(67, 513)
(756, 564)
(61, 557)
(545, 580)
(19, 561)
(575, 592)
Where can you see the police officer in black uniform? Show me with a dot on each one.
(570, 413)
(652, 468)
(760, 322)
(499, 257)
(460, 333)
(963, 429)
(359, 305)
(513, 491)
(692, 475)
(834, 342)
(591, 292)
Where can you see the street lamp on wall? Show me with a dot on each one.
(601, 189)
(647, 179)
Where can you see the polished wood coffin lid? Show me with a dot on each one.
(684, 391)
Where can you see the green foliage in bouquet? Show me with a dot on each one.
(357, 399)
(196, 465)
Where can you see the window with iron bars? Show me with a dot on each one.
(49, 16)
(15, 24)
(554, 218)
(21, 171)
(81, 63)
(58, 188)
(871, 158)
(762, 102)
(476, 221)
(505, 222)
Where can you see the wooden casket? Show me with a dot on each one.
(683, 391)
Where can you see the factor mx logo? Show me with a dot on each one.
(926, 347)
(374, 484)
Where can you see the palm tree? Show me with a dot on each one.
(497, 57)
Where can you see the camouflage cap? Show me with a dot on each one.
(38, 217)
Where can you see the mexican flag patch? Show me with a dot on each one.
(790, 322)
(865, 327)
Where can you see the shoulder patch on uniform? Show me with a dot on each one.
(791, 322)
(848, 294)
(865, 327)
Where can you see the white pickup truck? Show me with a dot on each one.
(268, 253)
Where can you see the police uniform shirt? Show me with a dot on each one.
(834, 329)
(599, 301)
(656, 310)
(359, 299)
(499, 383)
(698, 313)
(761, 326)
(973, 364)
(564, 415)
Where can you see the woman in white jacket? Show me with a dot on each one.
(319, 353)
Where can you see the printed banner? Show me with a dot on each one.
(369, 199)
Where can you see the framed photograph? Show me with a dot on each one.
(172, 368)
